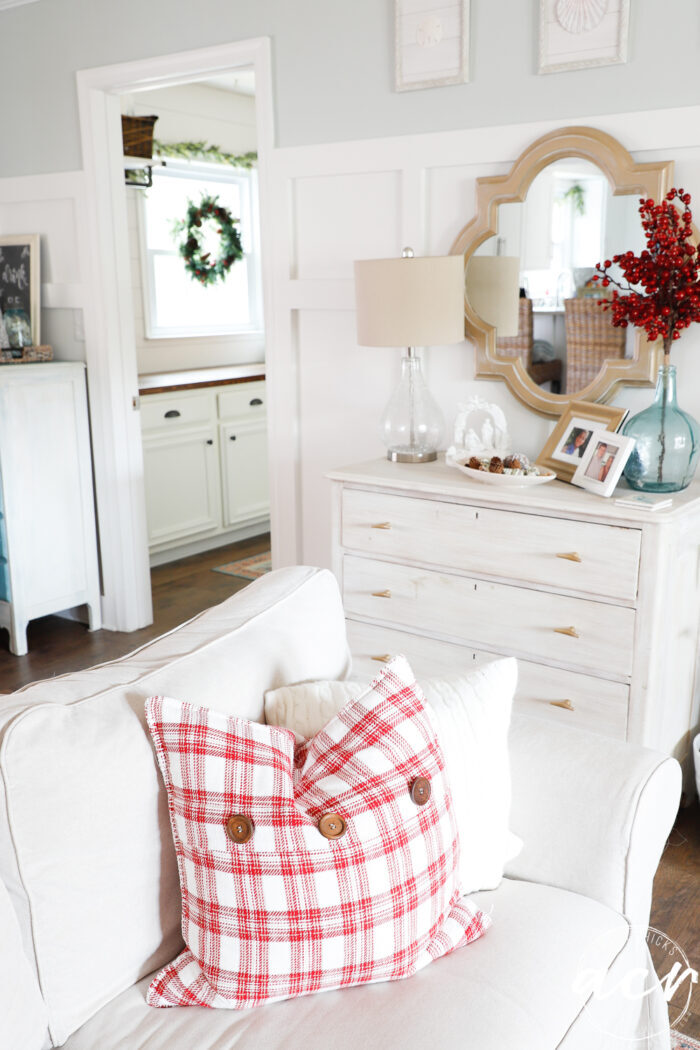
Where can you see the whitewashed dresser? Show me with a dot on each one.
(600, 603)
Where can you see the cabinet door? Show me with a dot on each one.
(182, 485)
(244, 472)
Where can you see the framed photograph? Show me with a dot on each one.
(569, 441)
(600, 469)
(432, 43)
(20, 289)
(579, 34)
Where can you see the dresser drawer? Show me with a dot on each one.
(566, 697)
(243, 401)
(171, 411)
(372, 646)
(574, 632)
(555, 552)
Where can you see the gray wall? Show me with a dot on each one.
(333, 67)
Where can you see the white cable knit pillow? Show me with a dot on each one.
(472, 715)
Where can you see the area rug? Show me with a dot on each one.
(248, 568)
(683, 1042)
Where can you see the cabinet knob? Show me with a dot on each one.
(382, 525)
(571, 631)
(381, 594)
(566, 704)
(210, 441)
(232, 437)
(172, 414)
(383, 659)
(255, 401)
(570, 556)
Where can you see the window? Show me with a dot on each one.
(174, 304)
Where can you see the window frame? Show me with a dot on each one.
(250, 232)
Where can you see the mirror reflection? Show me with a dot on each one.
(569, 221)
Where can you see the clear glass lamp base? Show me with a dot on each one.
(408, 455)
(413, 424)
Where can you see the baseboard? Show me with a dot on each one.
(209, 543)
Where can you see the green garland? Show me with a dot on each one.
(201, 151)
(200, 266)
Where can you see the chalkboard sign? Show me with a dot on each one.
(19, 290)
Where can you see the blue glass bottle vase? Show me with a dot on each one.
(667, 441)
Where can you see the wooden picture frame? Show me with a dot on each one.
(20, 284)
(582, 34)
(601, 468)
(568, 443)
(431, 45)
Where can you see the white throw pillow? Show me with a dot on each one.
(472, 715)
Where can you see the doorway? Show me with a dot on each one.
(112, 357)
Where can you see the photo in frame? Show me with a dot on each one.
(19, 292)
(581, 34)
(431, 43)
(570, 440)
(601, 468)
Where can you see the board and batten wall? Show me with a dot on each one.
(346, 201)
(331, 204)
(54, 207)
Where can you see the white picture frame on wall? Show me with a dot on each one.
(431, 43)
(581, 34)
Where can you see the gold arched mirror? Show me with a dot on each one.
(571, 200)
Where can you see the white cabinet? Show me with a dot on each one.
(205, 462)
(48, 542)
(244, 471)
(599, 603)
(183, 494)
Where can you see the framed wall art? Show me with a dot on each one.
(569, 442)
(432, 43)
(19, 291)
(579, 34)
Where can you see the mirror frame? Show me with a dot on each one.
(626, 177)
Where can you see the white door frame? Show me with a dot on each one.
(109, 323)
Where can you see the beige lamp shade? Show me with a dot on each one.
(493, 289)
(410, 301)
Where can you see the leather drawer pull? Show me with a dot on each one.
(570, 556)
(571, 631)
(381, 594)
(384, 659)
(382, 525)
(566, 704)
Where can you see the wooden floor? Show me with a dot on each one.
(184, 588)
(180, 590)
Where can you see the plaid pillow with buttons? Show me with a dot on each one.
(313, 866)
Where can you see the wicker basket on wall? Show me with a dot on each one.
(137, 136)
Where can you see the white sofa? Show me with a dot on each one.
(89, 899)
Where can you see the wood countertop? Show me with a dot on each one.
(189, 379)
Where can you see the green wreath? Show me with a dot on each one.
(199, 263)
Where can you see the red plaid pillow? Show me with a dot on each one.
(309, 868)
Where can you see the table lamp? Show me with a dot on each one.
(410, 302)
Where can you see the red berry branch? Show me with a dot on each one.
(668, 270)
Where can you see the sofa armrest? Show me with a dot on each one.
(594, 813)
